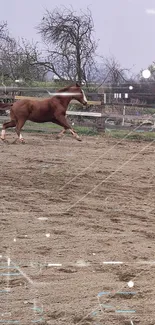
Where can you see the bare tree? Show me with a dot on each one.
(4, 34)
(69, 43)
(113, 72)
(16, 60)
(27, 53)
(109, 71)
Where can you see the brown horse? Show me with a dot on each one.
(52, 109)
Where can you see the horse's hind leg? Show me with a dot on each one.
(7, 125)
(19, 126)
(61, 120)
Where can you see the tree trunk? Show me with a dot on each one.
(78, 60)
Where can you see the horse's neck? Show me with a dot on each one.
(67, 100)
(64, 101)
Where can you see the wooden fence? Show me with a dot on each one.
(100, 117)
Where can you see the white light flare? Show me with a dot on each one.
(84, 96)
(113, 262)
(146, 74)
(63, 94)
(150, 11)
(130, 284)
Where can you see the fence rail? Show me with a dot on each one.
(91, 102)
(102, 98)
(95, 114)
(100, 117)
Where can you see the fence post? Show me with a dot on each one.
(123, 116)
(105, 98)
(101, 125)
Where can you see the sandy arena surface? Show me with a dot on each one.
(97, 201)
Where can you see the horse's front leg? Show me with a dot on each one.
(60, 135)
(75, 135)
(61, 120)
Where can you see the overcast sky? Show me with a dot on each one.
(124, 28)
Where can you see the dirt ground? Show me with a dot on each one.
(96, 200)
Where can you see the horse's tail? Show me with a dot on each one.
(5, 106)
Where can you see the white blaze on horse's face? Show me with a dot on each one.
(84, 98)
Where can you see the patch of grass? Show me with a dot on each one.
(149, 110)
(50, 127)
(119, 134)
(36, 131)
(38, 126)
(85, 130)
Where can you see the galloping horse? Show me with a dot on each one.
(52, 109)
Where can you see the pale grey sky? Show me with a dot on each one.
(124, 28)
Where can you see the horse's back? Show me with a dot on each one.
(21, 108)
(38, 110)
(21, 103)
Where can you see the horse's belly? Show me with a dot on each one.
(40, 113)
(41, 120)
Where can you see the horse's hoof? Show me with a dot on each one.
(18, 141)
(4, 140)
(58, 137)
(14, 142)
(22, 141)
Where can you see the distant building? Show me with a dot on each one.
(129, 92)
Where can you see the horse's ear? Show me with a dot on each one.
(77, 84)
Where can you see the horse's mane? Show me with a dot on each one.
(65, 89)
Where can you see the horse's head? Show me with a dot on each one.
(72, 92)
(79, 94)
